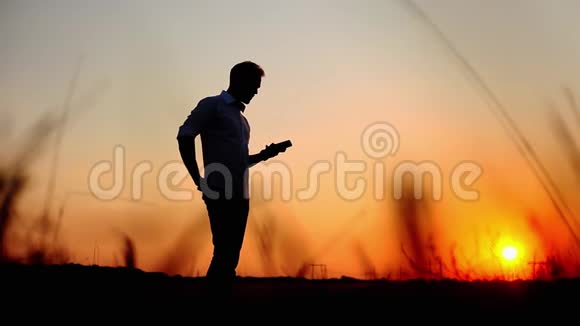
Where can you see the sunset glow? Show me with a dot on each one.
(367, 93)
(509, 253)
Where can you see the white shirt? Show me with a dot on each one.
(225, 135)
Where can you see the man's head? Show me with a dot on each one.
(245, 79)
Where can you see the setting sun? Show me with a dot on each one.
(509, 253)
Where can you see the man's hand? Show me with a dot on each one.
(270, 151)
(198, 182)
(274, 149)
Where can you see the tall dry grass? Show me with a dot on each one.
(184, 255)
(14, 179)
(283, 246)
(40, 238)
(419, 245)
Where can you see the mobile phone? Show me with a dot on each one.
(282, 146)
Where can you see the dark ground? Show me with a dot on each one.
(119, 289)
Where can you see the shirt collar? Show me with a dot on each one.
(230, 100)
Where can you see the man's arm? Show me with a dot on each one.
(256, 158)
(197, 121)
(187, 152)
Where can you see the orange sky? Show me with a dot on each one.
(331, 71)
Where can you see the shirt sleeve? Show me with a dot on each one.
(198, 120)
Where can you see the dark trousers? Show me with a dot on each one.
(228, 218)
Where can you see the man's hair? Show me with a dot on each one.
(245, 71)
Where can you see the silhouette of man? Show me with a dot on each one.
(225, 134)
